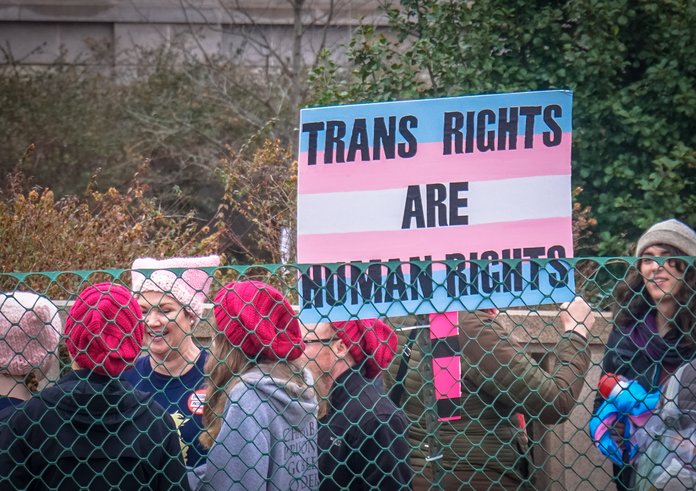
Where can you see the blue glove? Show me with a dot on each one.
(631, 404)
(633, 399)
(602, 433)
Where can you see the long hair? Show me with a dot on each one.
(633, 303)
(225, 368)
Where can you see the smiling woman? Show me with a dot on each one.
(662, 279)
(172, 293)
(655, 321)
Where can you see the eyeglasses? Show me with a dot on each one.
(319, 340)
(672, 262)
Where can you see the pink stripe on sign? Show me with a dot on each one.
(447, 376)
(430, 166)
(444, 325)
(434, 242)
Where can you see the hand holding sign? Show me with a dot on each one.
(576, 316)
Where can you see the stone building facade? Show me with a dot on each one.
(257, 33)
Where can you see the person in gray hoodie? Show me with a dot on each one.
(261, 416)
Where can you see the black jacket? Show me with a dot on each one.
(90, 432)
(623, 357)
(361, 441)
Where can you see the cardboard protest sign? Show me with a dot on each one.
(461, 179)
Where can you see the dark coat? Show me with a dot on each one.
(623, 357)
(91, 432)
(362, 440)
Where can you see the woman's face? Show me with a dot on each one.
(661, 280)
(168, 324)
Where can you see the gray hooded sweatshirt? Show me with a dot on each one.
(268, 439)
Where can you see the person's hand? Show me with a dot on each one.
(577, 316)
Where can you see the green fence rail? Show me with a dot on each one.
(190, 375)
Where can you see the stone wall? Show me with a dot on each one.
(111, 32)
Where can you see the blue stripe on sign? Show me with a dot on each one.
(394, 295)
(430, 112)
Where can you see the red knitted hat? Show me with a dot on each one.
(368, 339)
(105, 329)
(258, 319)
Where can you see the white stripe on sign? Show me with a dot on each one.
(503, 200)
(525, 198)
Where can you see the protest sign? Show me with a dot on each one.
(463, 180)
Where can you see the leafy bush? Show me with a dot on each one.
(109, 229)
(67, 122)
(260, 200)
(630, 65)
(96, 231)
(195, 122)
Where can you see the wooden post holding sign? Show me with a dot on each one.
(435, 206)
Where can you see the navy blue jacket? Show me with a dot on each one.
(361, 441)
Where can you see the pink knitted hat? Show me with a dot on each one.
(189, 287)
(105, 329)
(29, 331)
(259, 320)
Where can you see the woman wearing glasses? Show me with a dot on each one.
(653, 326)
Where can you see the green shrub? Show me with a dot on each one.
(630, 65)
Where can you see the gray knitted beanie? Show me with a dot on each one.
(670, 232)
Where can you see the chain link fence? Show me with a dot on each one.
(212, 381)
